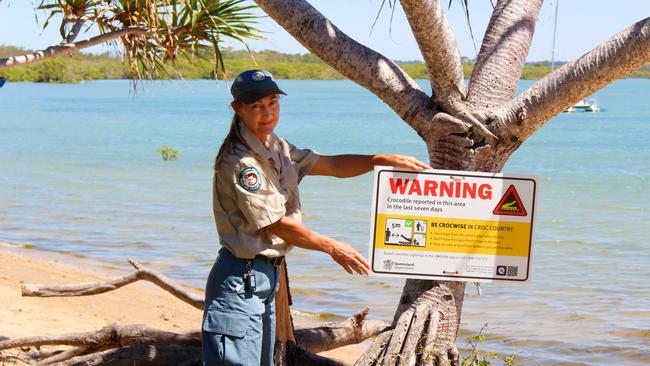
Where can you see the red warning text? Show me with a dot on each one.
(434, 188)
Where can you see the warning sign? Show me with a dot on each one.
(442, 224)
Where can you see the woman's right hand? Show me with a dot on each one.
(349, 258)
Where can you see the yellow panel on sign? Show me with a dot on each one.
(452, 235)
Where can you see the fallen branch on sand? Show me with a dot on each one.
(118, 344)
(93, 288)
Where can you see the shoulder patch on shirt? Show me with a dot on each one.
(250, 179)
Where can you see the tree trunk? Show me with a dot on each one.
(424, 329)
(283, 322)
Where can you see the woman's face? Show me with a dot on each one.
(261, 116)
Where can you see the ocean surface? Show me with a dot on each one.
(80, 173)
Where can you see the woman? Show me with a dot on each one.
(257, 212)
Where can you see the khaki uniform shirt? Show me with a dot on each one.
(255, 186)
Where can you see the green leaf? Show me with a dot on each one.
(47, 21)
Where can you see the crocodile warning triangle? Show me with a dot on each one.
(510, 204)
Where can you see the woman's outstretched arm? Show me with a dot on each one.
(299, 235)
(345, 166)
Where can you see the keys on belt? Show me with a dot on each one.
(276, 262)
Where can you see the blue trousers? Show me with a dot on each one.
(239, 327)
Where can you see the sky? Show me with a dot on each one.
(582, 25)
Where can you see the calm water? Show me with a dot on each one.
(80, 172)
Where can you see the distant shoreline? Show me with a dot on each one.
(633, 75)
(83, 67)
(229, 80)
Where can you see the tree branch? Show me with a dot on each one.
(350, 331)
(438, 46)
(66, 48)
(353, 330)
(62, 356)
(360, 64)
(141, 355)
(503, 52)
(621, 54)
(111, 336)
(92, 288)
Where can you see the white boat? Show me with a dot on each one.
(584, 105)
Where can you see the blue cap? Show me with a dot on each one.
(252, 85)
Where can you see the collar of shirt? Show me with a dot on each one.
(270, 153)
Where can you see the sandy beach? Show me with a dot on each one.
(137, 303)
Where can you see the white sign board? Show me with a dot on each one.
(451, 225)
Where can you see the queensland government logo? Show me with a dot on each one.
(388, 264)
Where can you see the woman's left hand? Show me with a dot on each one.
(399, 161)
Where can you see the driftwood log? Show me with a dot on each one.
(94, 288)
(119, 344)
(141, 355)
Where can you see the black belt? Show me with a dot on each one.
(276, 261)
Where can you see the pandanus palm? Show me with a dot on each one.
(153, 33)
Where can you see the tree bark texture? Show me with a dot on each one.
(437, 43)
(283, 323)
(333, 336)
(503, 52)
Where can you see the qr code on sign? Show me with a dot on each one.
(512, 271)
(507, 271)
